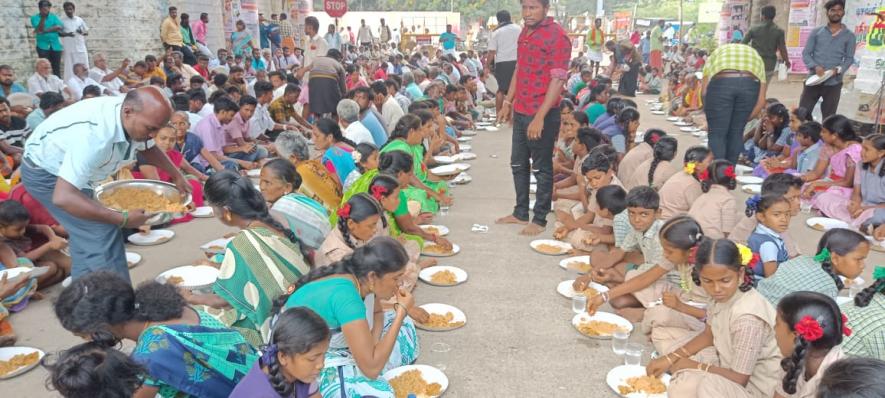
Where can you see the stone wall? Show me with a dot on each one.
(118, 28)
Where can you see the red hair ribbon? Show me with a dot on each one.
(378, 192)
(692, 255)
(705, 175)
(755, 260)
(809, 328)
(344, 211)
(655, 138)
(845, 329)
(729, 172)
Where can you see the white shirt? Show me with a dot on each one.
(84, 143)
(287, 61)
(193, 118)
(316, 47)
(260, 121)
(364, 35)
(74, 25)
(38, 84)
(206, 110)
(358, 133)
(98, 75)
(504, 42)
(392, 112)
(77, 85)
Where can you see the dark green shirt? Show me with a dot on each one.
(766, 38)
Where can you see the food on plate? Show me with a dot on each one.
(550, 249)
(444, 277)
(18, 361)
(431, 230)
(579, 266)
(819, 227)
(412, 382)
(436, 249)
(643, 385)
(141, 198)
(174, 280)
(216, 248)
(598, 328)
(589, 292)
(442, 321)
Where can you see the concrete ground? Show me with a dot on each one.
(518, 340)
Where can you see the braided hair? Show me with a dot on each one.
(652, 136)
(696, 154)
(839, 241)
(866, 295)
(382, 255)
(328, 126)
(682, 232)
(361, 207)
(296, 331)
(722, 252)
(92, 304)
(94, 369)
(716, 176)
(238, 195)
(878, 142)
(664, 150)
(792, 309)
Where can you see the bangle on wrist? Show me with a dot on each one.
(687, 355)
(125, 219)
(668, 359)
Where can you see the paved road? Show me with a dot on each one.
(518, 340)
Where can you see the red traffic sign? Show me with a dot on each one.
(335, 8)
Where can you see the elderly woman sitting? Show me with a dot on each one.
(351, 126)
(305, 217)
(317, 182)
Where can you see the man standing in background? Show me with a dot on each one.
(170, 35)
(502, 54)
(47, 27)
(199, 29)
(384, 32)
(448, 40)
(287, 33)
(73, 40)
(595, 41)
(364, 36)
(830, 48)
(768, 39)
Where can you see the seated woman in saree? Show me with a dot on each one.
(425, 188)
(317, 182)
(365, 343)
(185, 352)
(305, 217)
(336, 149)
(261, 261)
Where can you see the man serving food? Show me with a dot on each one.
(74, 150)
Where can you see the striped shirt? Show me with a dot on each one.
(84, 143)
(739, 57)
(868, 328)
(647, 242)
(799, 274)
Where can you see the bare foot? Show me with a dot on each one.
(531, 230)
(634, 315)
(510, 220)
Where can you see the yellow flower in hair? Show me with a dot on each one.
(746, 254)
(689, 167)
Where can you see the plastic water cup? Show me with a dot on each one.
(805, 206)
(443, 211)
(579, 303)
(619, 342)
(633, 354)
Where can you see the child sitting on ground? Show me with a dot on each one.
(611, 200)
(564, 157)
(16, 249)
(655, 171)
(865, 208)
(834, 173)
(841, 253)
(165, 140)
(772, 138)
(773, 213)
(639, 153)
(803, 155)
(638, 252)
(684, 187)
(597, 171)
(571, 192)
(716, 210)
(864, 315)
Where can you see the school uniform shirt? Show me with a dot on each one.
(868, 328)
(647, 242)
(334, 248)
(621, 227)
(639, 178)
(798, 274)
(768, 243)
(715, 211)
(84, 143)
(678, 194)
(633, 158)
(808, 388)
(746, 226)
(743, 334)
(807, 158)
(593, 205)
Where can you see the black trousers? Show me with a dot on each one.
(830, 94)
(533, 157)
(54, 58)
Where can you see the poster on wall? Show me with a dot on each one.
(230, 14)
(298, 10)
(801, 22)
(734, 17)
(249, 15)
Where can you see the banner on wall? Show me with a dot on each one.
(735, 15)
(249, 15)
(801, 22)
(298, 11)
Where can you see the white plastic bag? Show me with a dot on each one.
(781, 71)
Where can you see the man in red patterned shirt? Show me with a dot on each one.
(532, 103)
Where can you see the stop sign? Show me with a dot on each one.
(335, 8)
